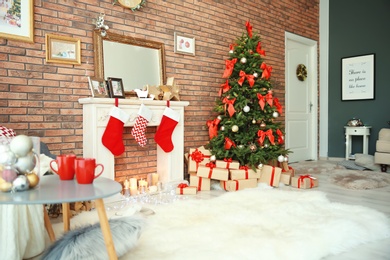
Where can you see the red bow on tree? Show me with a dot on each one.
(269, 98)
(229, 67)
(249, 29)
(261, 100)
(262, 134)
(232, 45)
(230, 104)
(229, 143)
(280, 136)
(277, 105)
(213, 127)
(250, 78)
(224, 88)
(266, 71)
(259, 50)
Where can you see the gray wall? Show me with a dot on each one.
(358, 27)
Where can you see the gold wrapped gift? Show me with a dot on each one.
(285, 178)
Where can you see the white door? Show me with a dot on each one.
(301, 98)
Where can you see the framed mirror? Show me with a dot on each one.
(138, 62)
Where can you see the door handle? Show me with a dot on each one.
(310, 106)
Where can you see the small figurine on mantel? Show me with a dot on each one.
(170, 91)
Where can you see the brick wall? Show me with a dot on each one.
(38, 98)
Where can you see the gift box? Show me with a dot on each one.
(184, 189)
(244, 173)
(285, 178)
(270, 175)
(234, 185)
(288, 170)
(304, 182)
(210, 171)
(200, 182)
(227, 164)
(196, 157)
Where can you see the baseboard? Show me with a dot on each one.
(336, 159)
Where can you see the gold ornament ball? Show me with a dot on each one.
(263, 125)
(252, 147)
(235, 128)
(33, 179)
(254, 121)
(5, 186)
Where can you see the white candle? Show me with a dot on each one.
(133, 182)
(149, 178)
(133, 191)
(154, 179)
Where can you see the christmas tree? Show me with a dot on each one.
(245, 129)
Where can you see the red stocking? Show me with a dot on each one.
(113, 135)
(164, 132)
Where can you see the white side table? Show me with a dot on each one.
(363, 131)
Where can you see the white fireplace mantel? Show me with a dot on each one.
(95, 118)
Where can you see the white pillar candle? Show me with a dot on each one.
(154, 179)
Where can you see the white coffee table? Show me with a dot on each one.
(51, 190)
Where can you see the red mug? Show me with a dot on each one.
(65, 166)
(85, 170)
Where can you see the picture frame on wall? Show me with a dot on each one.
(63, 49)
(17, 20)
(184, 45)
(115, 87)
(98, 88)
(358, 77)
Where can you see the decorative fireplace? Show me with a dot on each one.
(95, 118)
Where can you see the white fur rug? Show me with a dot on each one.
(261, 223)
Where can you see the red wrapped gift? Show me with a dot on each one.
(210, 171)
(200, 182)
(227, 164)
(304, 182)
(244, 173)
(270, 175)
(234, 185)
(184, 189)
(196, 157)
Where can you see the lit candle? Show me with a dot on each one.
(133, 191)
(154, 179)
(149, 178)
(133, 182)
(126, 183)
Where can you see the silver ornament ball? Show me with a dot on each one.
(246, 109)
(222, 128)
(255, 75)
(243, 60)
(280, 158)
(235, 128)
(21, 145)
(213, 158)
(275, 114)
(20, 183)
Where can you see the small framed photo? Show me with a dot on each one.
(184, 45)
(358, 77)
(61, 49)
(115, 86)
(17, 20)
(98, 87)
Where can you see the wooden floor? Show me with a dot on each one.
(378, 199)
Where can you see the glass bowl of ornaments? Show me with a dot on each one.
(19, 164)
